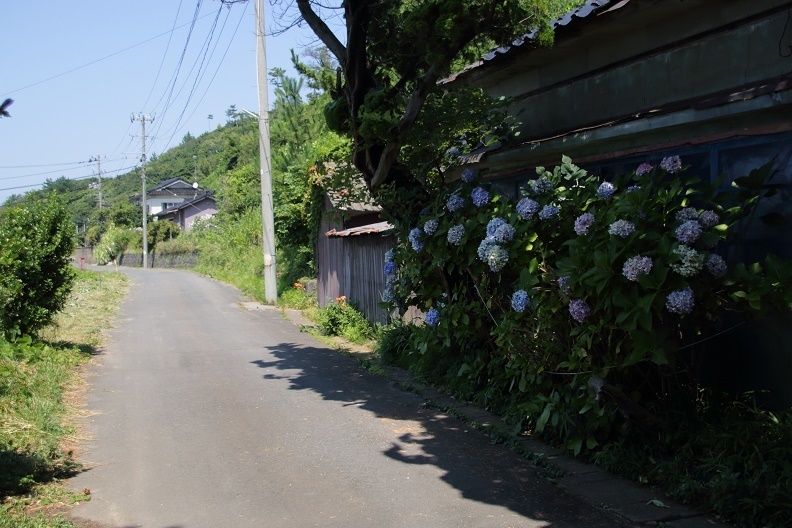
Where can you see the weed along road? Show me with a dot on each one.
(204, 414)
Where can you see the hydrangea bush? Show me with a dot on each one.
(569, 306)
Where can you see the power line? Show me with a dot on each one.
(69, 179)
(45, 165)
(47, 172)
(164, 55)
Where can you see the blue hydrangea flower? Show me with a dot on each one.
(632, 188)
(494, 224)
(390, 256)
(455, 202)
(643, 168)
(583, 223)
(687, 213)
(621, 228)
(606, 190)
(690, 261)
(688, 232)
(579, 310)
(548, 212)
(480, 197)
(497, 258)
(468, 175)
(542, 185)
(526, 208)
(520, 301)
(389, 294)
(430, 227)
(671, 164)
(636, 266)
(455, 234)
(709, 219)
(432, 317)
(716, 265)
(562, 284)
(681, 301)
(485, 247)
(416, 239)
(390, 268)
(504, 233)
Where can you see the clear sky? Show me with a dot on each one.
(77, 70)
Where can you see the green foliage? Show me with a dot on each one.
(342, 319)
(297, 298)
(114, 241)
(35, 274)
(543, 312)
(161, 231)
(395, 344)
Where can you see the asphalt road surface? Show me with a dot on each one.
(208, 415)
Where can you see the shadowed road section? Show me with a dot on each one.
(207, 415)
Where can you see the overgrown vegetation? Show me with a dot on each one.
(35, 376)
(340, 318)
(583, 311)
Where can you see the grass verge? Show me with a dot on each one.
(36, 378)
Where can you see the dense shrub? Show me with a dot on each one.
(341, 319)
(113, 242)
(35, 275)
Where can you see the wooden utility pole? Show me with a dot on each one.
(143, 118)
(268, 216)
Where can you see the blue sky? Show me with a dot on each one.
(61, 120)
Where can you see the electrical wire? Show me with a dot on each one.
(44, 165)
(69, 179)
(164, 55)
(43, 173)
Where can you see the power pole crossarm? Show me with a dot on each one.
(143, 118)
(268, 216)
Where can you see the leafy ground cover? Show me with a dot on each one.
(37, 403)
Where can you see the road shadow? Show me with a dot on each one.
(469, 461)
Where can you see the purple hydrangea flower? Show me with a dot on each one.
(562, 284)
(688, 232)
(636, 266)
(432, 317)
(671, 164)
(716, 265)
(681, 301)
(520, 301)
(687, 213)
(455, 234)
(548, 212)
(709, 219)
(415, 237)
(390, 268)
(430, 227)
(455, 202)
(579, 310)
(583, 223)
(621, 228)
(542, 185)
(690, 261)
(643, 168)
(480, 197)
(526, 208)
(468, 175)
(606, 190)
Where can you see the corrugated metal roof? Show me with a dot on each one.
(592, 7)
(370, 229)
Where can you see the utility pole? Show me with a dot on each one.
(143, 118)
(98, 160)
(268, 217)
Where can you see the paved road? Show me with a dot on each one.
(208, 415)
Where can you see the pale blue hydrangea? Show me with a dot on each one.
(643, 168)
(455, 202)
(716, 265)
(687, 213)
(430, 227)
(390, 268)
(583, 223)
(709, 219)
(485, 247)
(622, 228)
(548, 212)
(636, 266)
(494, 224)
(606, 190)
(432, 317)
(690, 261)
(579, 310)
(526, 208)
(389, 294)
(671, 164)
(632, 188)
(688, 232)
(562, 285)
(520, 301)
(390, 256)
(468, 175)
(542, 185)
(416, 239)
(681, 301)
(497, 258)
(455, 234)
(480, 197)
(504, 233)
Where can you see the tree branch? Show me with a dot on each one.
(322, 31)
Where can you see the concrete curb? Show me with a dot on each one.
(626, 499)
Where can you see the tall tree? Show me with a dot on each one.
(394, 55)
